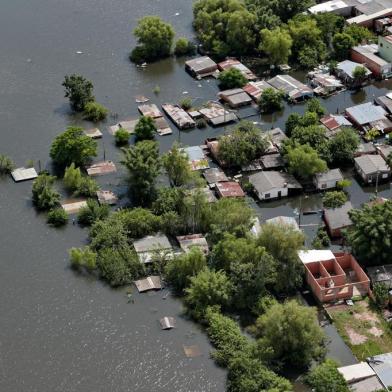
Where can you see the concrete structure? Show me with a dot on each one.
(327, 180)
(94, 133)
(255, 89)
(337, 219)
(187, 242)
(196, 158)
(107, 197)
(361, 377)
(284, 221)
(179, 116)
(24, 174)
(229, 189)
(273, 184)
(148, 246)
(235, 98)
(150, 110)
(101, 168)
(366, 55)
(385, 47)
(234, 63)
(149, 283)
(345, 70)
(368, 116)
(201, 67)
(334, 124)
(382, 366)
(372, 168)
(333, 276)
(214, 175)
(293, 88)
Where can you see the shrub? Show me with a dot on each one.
(92, 213)
(381, 294)
(334, 199)
(6, 165)
(186, 103)
(121, 137)
(83, 257)
(44, 196)
(94, 111)
(201, 123)
(184, 47)
(72, 177)
(57, 217)
(87, 187)
(321, 241)
(145, 128)
(232, 78)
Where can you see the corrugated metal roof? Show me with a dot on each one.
(265, 181)
(366, 113)
(24, 174)
(151, 243)
(371, 163)
(348, 67)
(230, 189)
(338, 218)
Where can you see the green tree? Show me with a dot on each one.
(321, 241)
(289, 335)
(107, 234)
(329, 24)
(168, 200)
(94, 111)
(313, 135)
(304, 162)
(283, 243)
(271, 100)
(179, 270)
(184, 47)
(73, 146)
(342, 43)
(381, 294)
(177, 167)
(359, 75)
(6, 165)
(145, 128)
(314, 106)
(371, 234)
(232, 78)
(334, 199)
(143, 164)
(359, 33)
(92, 212)
(276, 44)
(79, 90)
(154, 37)
(343, 146)
(194, 211)
(88, 187)
(72, 177)
(44, 196)
(207, 288)
(326, 378)
(83, 257)
(121, 137)
(296, 120)
(57, 217)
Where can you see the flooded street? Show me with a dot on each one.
(60, 331)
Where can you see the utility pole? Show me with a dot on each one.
(376, 193)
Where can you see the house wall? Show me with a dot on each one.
(385, 49)
(273, 194)
(322, 185)
(377, 70)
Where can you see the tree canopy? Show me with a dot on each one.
(271, 100)
(79, 90)
(145, 128)
(177, 166)
(232, 78)
(276, 44)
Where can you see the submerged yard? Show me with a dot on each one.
(362, 328)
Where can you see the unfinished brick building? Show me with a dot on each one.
(334, 276)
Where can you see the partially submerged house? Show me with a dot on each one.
(214, 175)
(24, 174)
(372, 168)
(337, 219)
(217, 115)
(235, 98)
(325, 84)
(74, 206)
(328, 179)
(385, 101)
(149, 283)
(368, 116)
(101, 168)
(345, 71)
(179, 116)
(272, 161)
(150, 110)
(229, 189)
(94, 133)
(276, 136)
(148, 246)
(187, 242)
(273, 184)
(196, 157)
(333, 276)
(163, 128)
(128, 126)
(255, 89)
(107, 197)
(333, 124)
(293, 88)
(234, 63)
(365, 149)
(201, 67)
(287, 221)
(384, 150)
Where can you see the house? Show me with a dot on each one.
(107, 197)
(187, 242)
(327, 180)
(196, 158)
(235, 98)
(214, 175)
(345, 70)
(201, 67)
(324, 84)
(73, 206)
(94, 133)
(361, 377)
(128, 126)
(24, 174)
(284, 221)
(384, 150)
(333, 124)
(385, 47)
(372, 168)
(150, 245)
(234, 63)
(217, 115)
(276, 136)
(366, 55)
(293, 88)
(163, 128)
(365, 149)
(337, 219)
(179, 116)
(149, 283)
(150, 110)
(229, 189)
(339, 7)
(272, 161)
(101, 168)
(255, 89)
(333, 276)
(385, 101)
(368, 116)
(370, 11)
(273, 184)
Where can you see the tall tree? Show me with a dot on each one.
(44, 196)
(176, 164)
(79, 90)
(271, 100)
(342, 43)
(145, 128)
(343, 146)
(277, 45)
(143, 164)
(232, 78)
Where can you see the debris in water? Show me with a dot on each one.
(192, 351)
(144, 65)
(79, 52)
(185, 92)
(177, 13)
(29, 60)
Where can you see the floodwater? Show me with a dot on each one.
(60, 331)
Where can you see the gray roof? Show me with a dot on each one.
(235, 96)
(276, 136)
(284, 221)
(267, 180)
(382, 365)
(367, 148)
(348, 67)
(371, 163)
(338, 217)
(195, 153)
(151, 243)
(366, 113)
(215, 175)
(23, 174)
(272, 161)
(330, 175)
(385, 101)
(201, 64)
(289, 85)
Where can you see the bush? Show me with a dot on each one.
(232, 78)
(145, 128)
(83, 257)
(72, 177)
(6, 165)
(201, 123)
(334, 199)
(321, 241)
(271, 100)
(121, 137)
(94, 111)
(87, 187)
(186, 103)
(57, 217)
(381, 294)
(184, 47)
(92, 213)
(44, 196)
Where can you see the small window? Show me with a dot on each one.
(267, 196)
(323, 186)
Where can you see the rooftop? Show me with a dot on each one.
(149, 283)
(201, 65)
(196, 157)
(215, 175)
(333, 122)
(24, 174)
(234, 63)
(338, 218)
(358, 371)
(366, 113)
(330, 175)
(292, 87)
(348, 67)
(151, 243)
(229, 189)
(266, 180)
(150, 110)
(312, 256)
(371, 163)
(101, 168)
(187, 242)
(284, 221)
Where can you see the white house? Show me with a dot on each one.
(327, 180)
